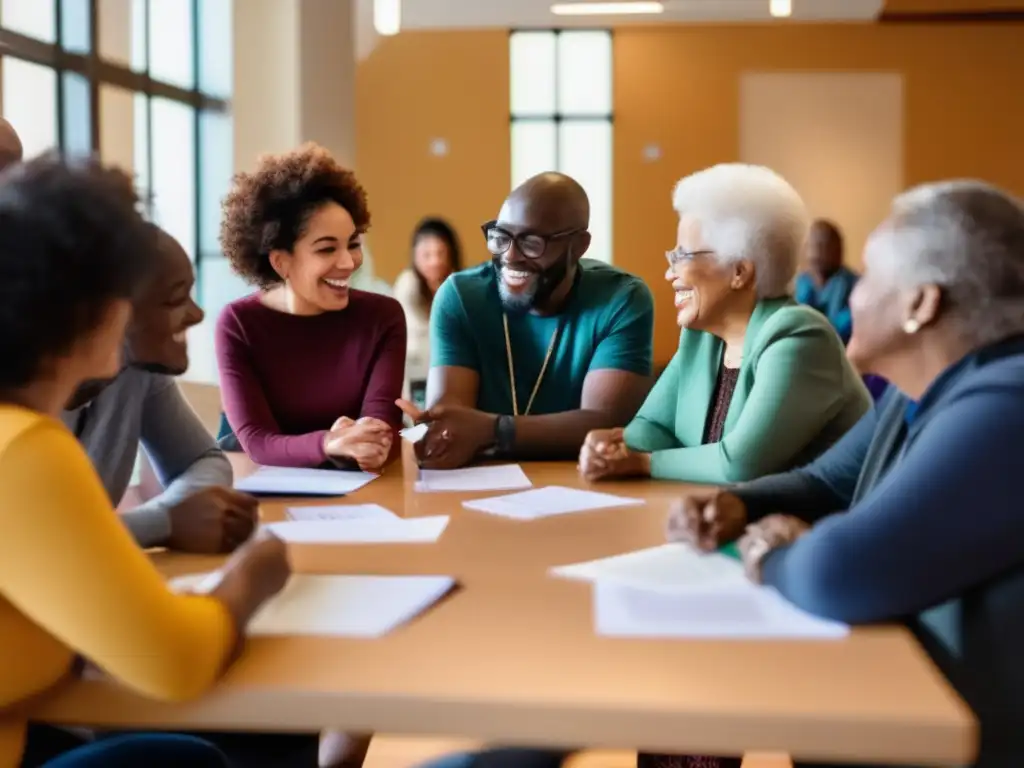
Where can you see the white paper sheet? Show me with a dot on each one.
(415, 434)
(551, 500)
(415, 530)
(739, 611)
(342, 512)
(289, 481)
(341, 606)
(503, 477)
(669, 565)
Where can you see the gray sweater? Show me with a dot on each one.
(148, 409)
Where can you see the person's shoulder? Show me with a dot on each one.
(20, 425)
(368, 304)
(471, 286)
(605, 284)
(407, 288)
(784, 319)
(236, 312)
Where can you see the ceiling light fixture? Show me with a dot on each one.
(387, 16)
(780, 9)
(605, 9)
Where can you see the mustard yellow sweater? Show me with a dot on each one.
(73, 582)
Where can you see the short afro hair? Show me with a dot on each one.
(269, 208)
(71, 241)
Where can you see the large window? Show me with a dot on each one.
(561, 86)
(144, 84)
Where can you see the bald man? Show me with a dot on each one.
(11, 151)
(827, 283)
(538, 346)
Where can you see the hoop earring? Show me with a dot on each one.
(911, 327)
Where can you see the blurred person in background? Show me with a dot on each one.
(435, 254)
(827, 283)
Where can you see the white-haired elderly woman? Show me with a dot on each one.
(759, 384)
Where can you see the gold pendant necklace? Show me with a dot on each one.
(512, 370)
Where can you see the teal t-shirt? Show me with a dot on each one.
(607, 322)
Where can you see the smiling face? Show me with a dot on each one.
(158, 334)
(319, 268)
(703, 287)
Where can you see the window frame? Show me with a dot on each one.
(99, 72)
(557, 116)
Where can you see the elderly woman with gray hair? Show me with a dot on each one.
(759, 383)
(930, 479)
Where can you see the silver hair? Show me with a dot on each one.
(967, 237)
(748, 213)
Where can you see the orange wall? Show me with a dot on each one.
(677, 87)
(415, 88)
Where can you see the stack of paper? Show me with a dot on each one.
(739, 611)
(544, 502)
(341, 606)
(677, 591)
(397, 530)
(670, 565)
(290, 481)
(504, 477)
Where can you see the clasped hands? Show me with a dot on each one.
(366, 442)
(604, 455)
(456, 435)
(711, 519)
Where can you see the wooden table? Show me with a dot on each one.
(512, 657)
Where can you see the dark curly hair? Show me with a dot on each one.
(71, 241)
(269, 208)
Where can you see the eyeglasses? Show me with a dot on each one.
(531, 245)
(679, 256)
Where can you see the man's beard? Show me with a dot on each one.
(545, 283)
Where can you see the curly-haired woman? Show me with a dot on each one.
(310, 368)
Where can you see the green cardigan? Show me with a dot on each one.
(796, 394)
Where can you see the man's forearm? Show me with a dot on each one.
(557, 435)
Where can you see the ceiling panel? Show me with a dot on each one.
(462, 14)
(952, 6)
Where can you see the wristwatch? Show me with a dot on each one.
(505, 434)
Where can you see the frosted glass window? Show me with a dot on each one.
(216, 160)
(140, 148)
(77, 108)
(532, 64)
(32, 18)
(173, 157)
(215, 51)
(585, 73)
(117, 128)
(534, 149)
(170, 42)
(585, 153)
(74, 26)
(138, 39)
(30, 103)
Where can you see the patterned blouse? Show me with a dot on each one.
(713, 429)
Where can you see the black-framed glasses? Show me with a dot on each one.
(680, 255)
(530, 244)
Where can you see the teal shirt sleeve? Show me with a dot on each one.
(800, 384)
(451, 342)
(629, 344)
(653, 428)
